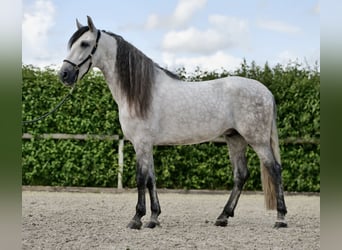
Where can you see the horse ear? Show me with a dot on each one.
(78, 24)
(91, 25)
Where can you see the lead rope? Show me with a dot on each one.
(53, 110)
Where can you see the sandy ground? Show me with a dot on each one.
(64, 220)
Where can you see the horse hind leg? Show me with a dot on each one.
(237, 151)
(272, 183)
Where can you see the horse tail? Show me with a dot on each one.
(267, 182)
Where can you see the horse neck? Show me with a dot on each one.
(106, 63)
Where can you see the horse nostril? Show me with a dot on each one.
(65, 75)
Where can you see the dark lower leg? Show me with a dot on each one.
(237, 148)
(155, 207)
(281, 207)
(229, 208)
(136, 223)
(274, 170)
(141, 176)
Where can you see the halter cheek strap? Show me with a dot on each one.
(90, 57)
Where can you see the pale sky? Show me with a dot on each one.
(211, 34)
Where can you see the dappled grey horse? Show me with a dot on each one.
(157, 108)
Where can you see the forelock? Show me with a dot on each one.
(77, 35)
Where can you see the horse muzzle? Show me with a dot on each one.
(68, 74)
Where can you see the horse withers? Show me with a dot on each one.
(157, 108)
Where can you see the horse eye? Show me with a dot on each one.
(84, 44)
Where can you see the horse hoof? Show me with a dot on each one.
(134, 224)
(280, 224)
(152, 224)
(221, 222)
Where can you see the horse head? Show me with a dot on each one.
(82, 45)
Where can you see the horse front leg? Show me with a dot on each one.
(145, 178)
(155, 206)
(141, 178)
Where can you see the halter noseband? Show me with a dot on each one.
(78, 66)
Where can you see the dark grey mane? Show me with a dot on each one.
(169, 73)
(136, 73)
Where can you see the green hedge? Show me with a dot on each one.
(92, 110)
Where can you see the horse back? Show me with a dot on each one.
(187, 113)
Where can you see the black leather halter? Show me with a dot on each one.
(78, 66)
